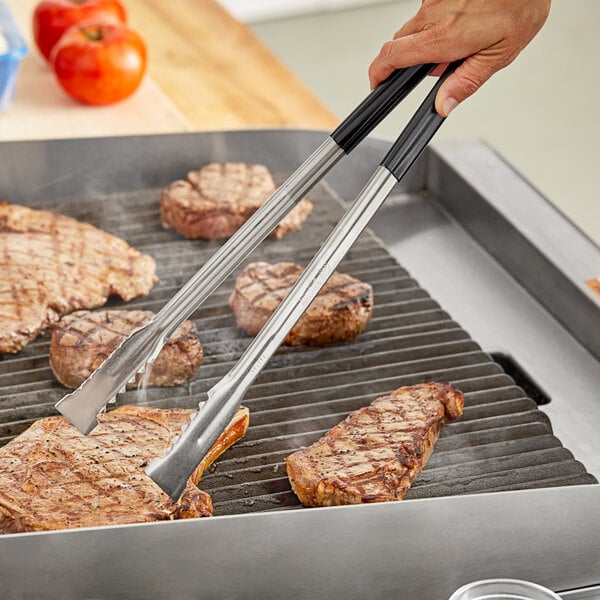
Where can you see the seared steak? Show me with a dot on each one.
(338, 314)
(376, 452)
(218, 199)
(82, 340)
(52, 477)
(53, 265)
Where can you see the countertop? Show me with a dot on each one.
(206, 71)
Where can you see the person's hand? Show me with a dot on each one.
(488, 33)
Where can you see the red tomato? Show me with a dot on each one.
(53, 17)
(99, 63)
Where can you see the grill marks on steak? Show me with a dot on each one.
(218, 199)
(82, 340)
(338, 314)
(53, 265)
(376, 452)
(52, 477)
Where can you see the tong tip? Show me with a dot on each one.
(73, 408)
(161, 472)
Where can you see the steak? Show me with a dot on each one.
(53, 265)
(377, 451)
(218, 199)
(338, 314)
(82, 340)
(53, 477)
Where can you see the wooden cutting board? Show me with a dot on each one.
(206, 71)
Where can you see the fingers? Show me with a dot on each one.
(467, 79)
(411, 26)
(420, 47)
(428, 46)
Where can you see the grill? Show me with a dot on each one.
(502, 442)
(457, 223)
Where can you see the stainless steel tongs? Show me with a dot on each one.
(173, 470)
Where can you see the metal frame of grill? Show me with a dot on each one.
(503, 442)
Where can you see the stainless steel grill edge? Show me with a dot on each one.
(503, 442)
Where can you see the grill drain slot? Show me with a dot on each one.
(522, 378)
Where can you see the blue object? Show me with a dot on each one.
(10, 58)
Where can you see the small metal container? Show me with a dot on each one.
(503, 589)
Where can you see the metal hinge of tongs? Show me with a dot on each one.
(172, 471)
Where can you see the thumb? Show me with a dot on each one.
(464, 82)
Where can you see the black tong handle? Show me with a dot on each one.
(378, 105)
(418, 131)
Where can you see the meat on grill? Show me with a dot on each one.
(82, 340)
(338, 314)
(377, 451)
(53, 265)
(53, 477)
(218, 199)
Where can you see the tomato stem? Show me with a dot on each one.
(92, 32)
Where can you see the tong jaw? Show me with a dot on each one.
(172, 471)
(131, 357)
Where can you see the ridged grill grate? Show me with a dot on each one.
(503, 441)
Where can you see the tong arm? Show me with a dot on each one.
(172, 471)
(142, 347)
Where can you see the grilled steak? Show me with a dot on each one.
(52, 477)
(218, 199)
(53, 265)
(338, 314)
(376, 452)
(82, 340)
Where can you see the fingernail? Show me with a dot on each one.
(449, 105)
